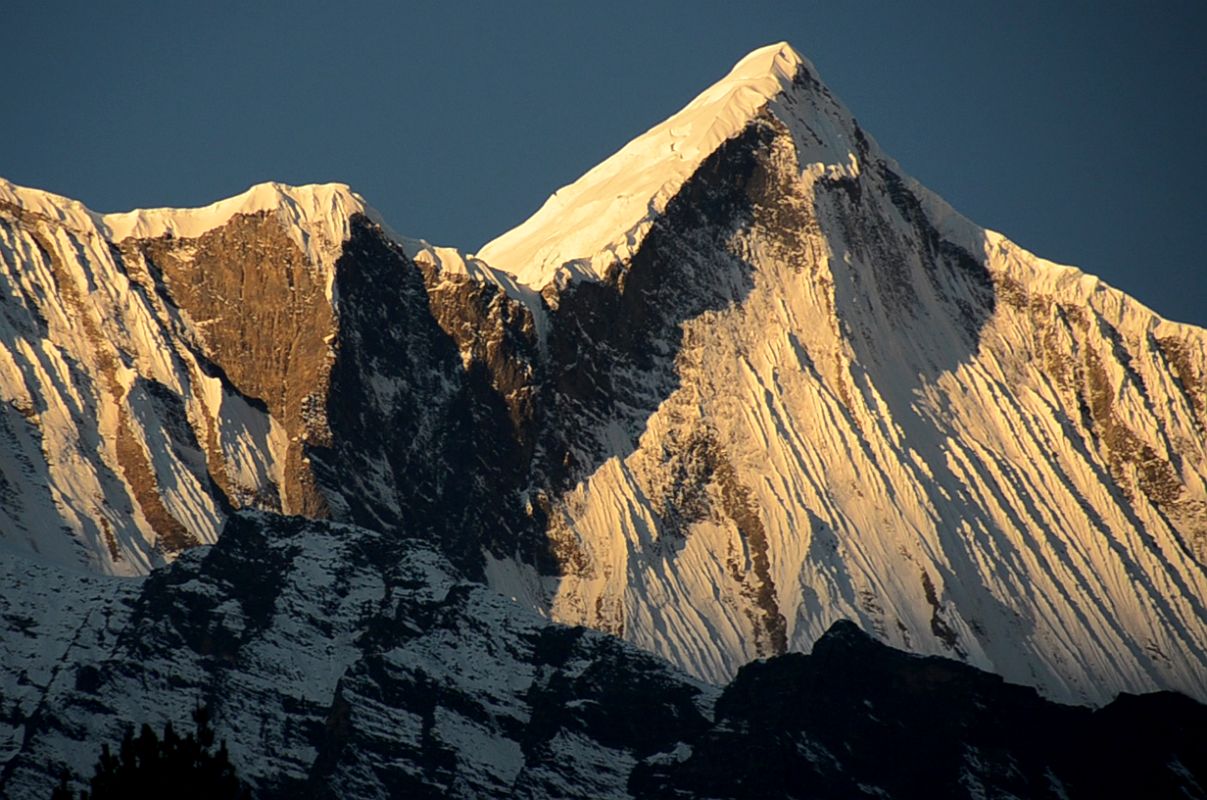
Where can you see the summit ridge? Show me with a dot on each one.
(586, 227)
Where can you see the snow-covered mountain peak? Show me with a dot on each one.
(804, 389)
(767, 71)
(601, 218)
(317, 217)
(305, 205)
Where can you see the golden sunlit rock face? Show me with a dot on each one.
(743, 379)
(260, 312)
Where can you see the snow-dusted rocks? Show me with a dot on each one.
(337, 662)
(341, 662)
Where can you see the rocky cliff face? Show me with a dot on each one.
(231, 369)
(742, 380)
(257, 312)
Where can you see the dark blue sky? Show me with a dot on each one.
(1077, 129)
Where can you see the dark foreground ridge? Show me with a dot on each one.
(858, 719)
(339, 662)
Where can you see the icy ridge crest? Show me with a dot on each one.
(601, 218)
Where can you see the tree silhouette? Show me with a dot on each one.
(183, 768)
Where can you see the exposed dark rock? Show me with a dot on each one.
(431, 406)
(856, 719)
(410, 404)
(611, 358)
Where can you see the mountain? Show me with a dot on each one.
(342, 662)
(742, 380)
(275, 351)
(817, 392)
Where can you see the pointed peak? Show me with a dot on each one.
(845, 633)
(779, 60)
(759, 77)
(601, 218)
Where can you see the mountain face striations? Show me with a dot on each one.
(741, 381)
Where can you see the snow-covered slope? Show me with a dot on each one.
(122, 443)
(743, 379)
(817, 392)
